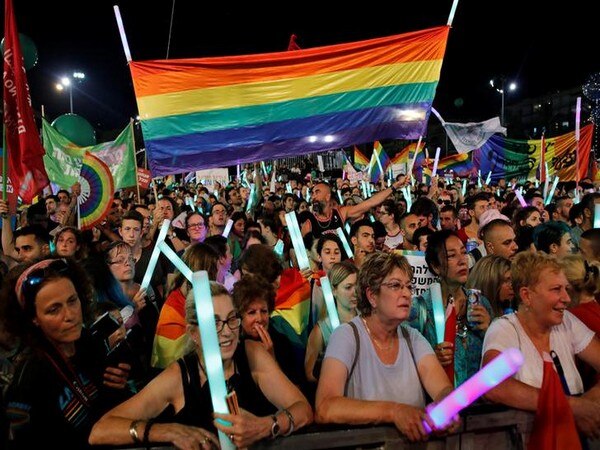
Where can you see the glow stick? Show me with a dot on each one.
(278, 249)
(576, 200)
(347, 227)
(211, 350)
(122, 33)
(264, 168)
(376, 153)
(464, 187)
(297, 242)
(407, 197)
(435, 162)
(320, 163)
(488, 178)
(176, 260)
(227, 229)
(339, 193)
(479, 179)
(438, 311)
(537, 183)
(371, 218)
(412, 180)
(364, 189)
(452, 12)
(307, 195)
(238, 171)
(155, 254)
(250, 198)
(345, 243)
(330, 303)
(412, 163)
(577, 135)
(499, 369)
(551, 194)
(519, 196)
(547, 181)
(288, 187)
(597, 216)
(273, 180)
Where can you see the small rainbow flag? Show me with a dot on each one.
(360, 160)
(214, 112)
(380, 155)
(460, 164)
(407, 153)
(97, 191)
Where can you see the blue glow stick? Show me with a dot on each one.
(597, 216)
(330, 303)
(52, 246)
(576, 200)
(364, 189)
(464, 187)
(264, 168)
(499, 369)
(371, 218)
(211, 349)
(288, 187)
(155, 254)
(339, 193)
(347, 227)
(438, 311)
(279, 248)
(297, 242)
(551, 194)
(227, 229)
(176, 260)
(250, 198)
(488, 178)
(345, 243)
(307, 195)
(435, 162)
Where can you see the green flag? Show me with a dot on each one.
(63, 159)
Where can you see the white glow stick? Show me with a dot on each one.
(122, 33)
(577, 118)
(264, 168)
(211, 350)
(288, 187)
(345, 243)
(238, 171)
(452, 12)
(439, 317)
(155, 254)
(488, 178)
(250, 198)
(499, 369)
(320, 163)
(479, 179)
(330, 303)
(376, 153)
(547, 180)
(407, 197)
(576, 200)
(227, 229)
(435, 162)
(347, 227)
(519, 196)
(176, 260)
(551, 194)
(339, 193)
(364, 189)
(464, 187)
(412, 163)
(297, 242)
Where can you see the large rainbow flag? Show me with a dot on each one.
(213, 112)
(510, 158)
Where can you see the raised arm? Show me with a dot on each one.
(8, 245)
(351, 212)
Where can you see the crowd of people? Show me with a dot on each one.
(88, 357)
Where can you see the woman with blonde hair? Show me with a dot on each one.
(342, 277)
(491, 275)
(584, 285)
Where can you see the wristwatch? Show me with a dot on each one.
(275, 428)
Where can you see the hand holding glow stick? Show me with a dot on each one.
(495, 372)
(439, 317)
(330, 303)
(519, 196)
(551, 194)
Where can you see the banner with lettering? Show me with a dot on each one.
(422, 276)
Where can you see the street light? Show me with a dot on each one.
(500, 85)
(67, 82)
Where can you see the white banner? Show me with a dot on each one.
(422, 276)
(208, 177)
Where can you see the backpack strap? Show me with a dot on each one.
(357, 339)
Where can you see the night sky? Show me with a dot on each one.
(541, 47)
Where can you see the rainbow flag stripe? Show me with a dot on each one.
(459, 163)
(360, 160)
(212, 112)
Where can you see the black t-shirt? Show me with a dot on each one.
(319, 228)
(159, 276)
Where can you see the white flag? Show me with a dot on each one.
(470, 136)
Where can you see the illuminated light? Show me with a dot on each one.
(155, 254)
(499, 369)
(211, 350)
(297, 242)
(329, 138)
(312, 139)
(597, 216)
(345, 243)
(227, 229)
(435, 162)
(59, 87)
(330, 302)
(409, 115)
(176, 260)
(279, 248)
(79, 75)
(551, 194)
(439, 317)
(66, 81)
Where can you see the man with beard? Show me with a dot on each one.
(325, 218)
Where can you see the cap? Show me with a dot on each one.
(487, 217)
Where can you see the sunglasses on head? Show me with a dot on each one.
(31, 279)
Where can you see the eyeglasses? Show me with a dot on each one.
(444, 202)
(123, 261)
(397, 286)
(382, 212)
(196, 225)
(233, 323)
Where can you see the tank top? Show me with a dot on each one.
(197, 410)
(319, 228)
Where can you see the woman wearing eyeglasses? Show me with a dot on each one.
(389, 216)
(62, 387)
(377, 370)
(195, 226)
(465, 325)
(179, 398)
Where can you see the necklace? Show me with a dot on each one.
(379, 346)
(327, 224)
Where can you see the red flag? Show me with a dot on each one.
(543, 173)
(554, 425)
(25, 164)
(293, 45)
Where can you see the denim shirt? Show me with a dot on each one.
(467, 351)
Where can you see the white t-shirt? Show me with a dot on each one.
(372, 379)
(567, 339)
(393, 241)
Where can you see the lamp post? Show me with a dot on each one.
(500, 85)
(67, 82)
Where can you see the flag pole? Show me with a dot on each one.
(4, 161)
(122, 33)
(137, 182)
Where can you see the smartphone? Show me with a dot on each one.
(122, 353)
(104, 326)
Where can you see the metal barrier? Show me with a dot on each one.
(487, 427)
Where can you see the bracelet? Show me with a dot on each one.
(149, 425)
(292, 423)
(133, 431)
